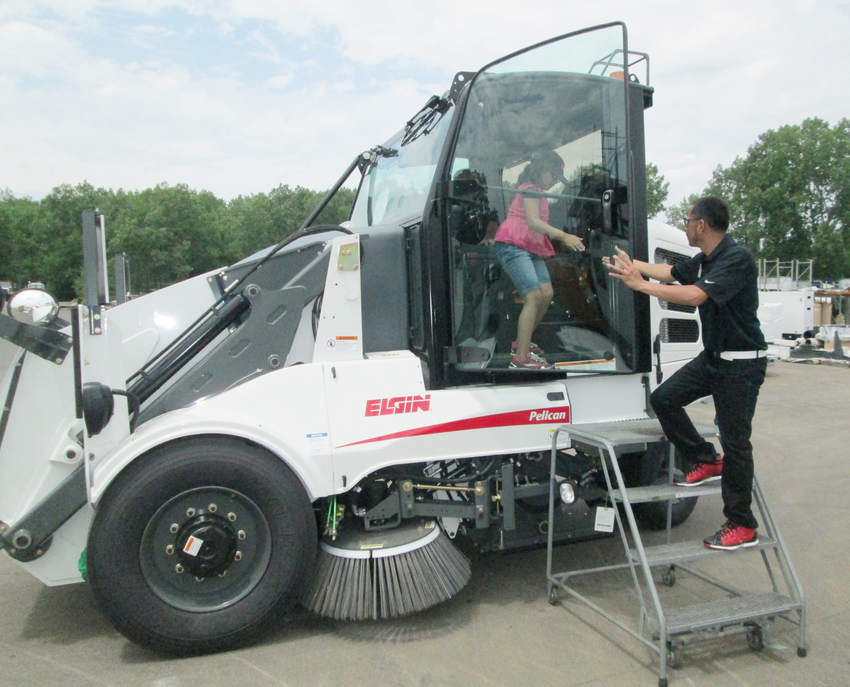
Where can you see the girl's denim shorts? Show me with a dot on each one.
(527, 271)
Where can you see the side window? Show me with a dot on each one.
(400, 173)
(488, 293)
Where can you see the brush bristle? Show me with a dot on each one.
(378, 584)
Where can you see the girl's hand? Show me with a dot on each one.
(571, 242)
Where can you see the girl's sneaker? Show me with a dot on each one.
(530, 363)
(532, 347)
(534, 352)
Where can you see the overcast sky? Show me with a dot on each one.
(239, 96)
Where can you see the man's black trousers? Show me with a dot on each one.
(734, 386)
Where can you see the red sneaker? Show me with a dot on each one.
(702, 473)
(530, 363)
(532, 348)
(534, 352)
(731, 537)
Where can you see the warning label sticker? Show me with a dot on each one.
(193, 546)
(604, 519)
(343, 343)
(319, 443)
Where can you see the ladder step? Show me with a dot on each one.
(664, 492)
(723, 612)
(680, 552)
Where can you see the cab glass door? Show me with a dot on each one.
(544, 132)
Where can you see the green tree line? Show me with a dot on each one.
(168, 233)
(789, 196)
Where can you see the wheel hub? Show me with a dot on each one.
(205, 548)
(206, 545)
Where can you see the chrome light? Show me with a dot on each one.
(33, 306)
(567, 492)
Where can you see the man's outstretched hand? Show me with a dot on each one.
(621, 267)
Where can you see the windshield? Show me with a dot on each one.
(396, 186)
(543, 138)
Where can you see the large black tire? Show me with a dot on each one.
(653, 514)
(259, 542)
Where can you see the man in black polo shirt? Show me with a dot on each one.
(722, 281)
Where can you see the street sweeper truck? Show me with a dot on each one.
(336, 419)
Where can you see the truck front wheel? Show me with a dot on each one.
(200, 545)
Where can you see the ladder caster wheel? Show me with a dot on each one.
(755, 639)
(673, 658)
(669, 577)
(801, 652)
(554, 597)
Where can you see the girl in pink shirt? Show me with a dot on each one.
(523, 241)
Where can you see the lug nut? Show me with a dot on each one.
(212, 508)
(237, 556)
(178, 568)
(190, 512)
(174, 528)
(241, 535)
(231, 516)
(198, 579)
(169, 550)
(222, 573)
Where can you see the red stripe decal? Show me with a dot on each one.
(536, 416)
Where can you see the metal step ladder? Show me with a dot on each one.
(664, 630)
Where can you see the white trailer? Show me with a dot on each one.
(787, 315)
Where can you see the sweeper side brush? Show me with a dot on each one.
(375, 575)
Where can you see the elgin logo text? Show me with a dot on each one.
(398, 404)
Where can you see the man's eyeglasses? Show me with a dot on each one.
(688, 220)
